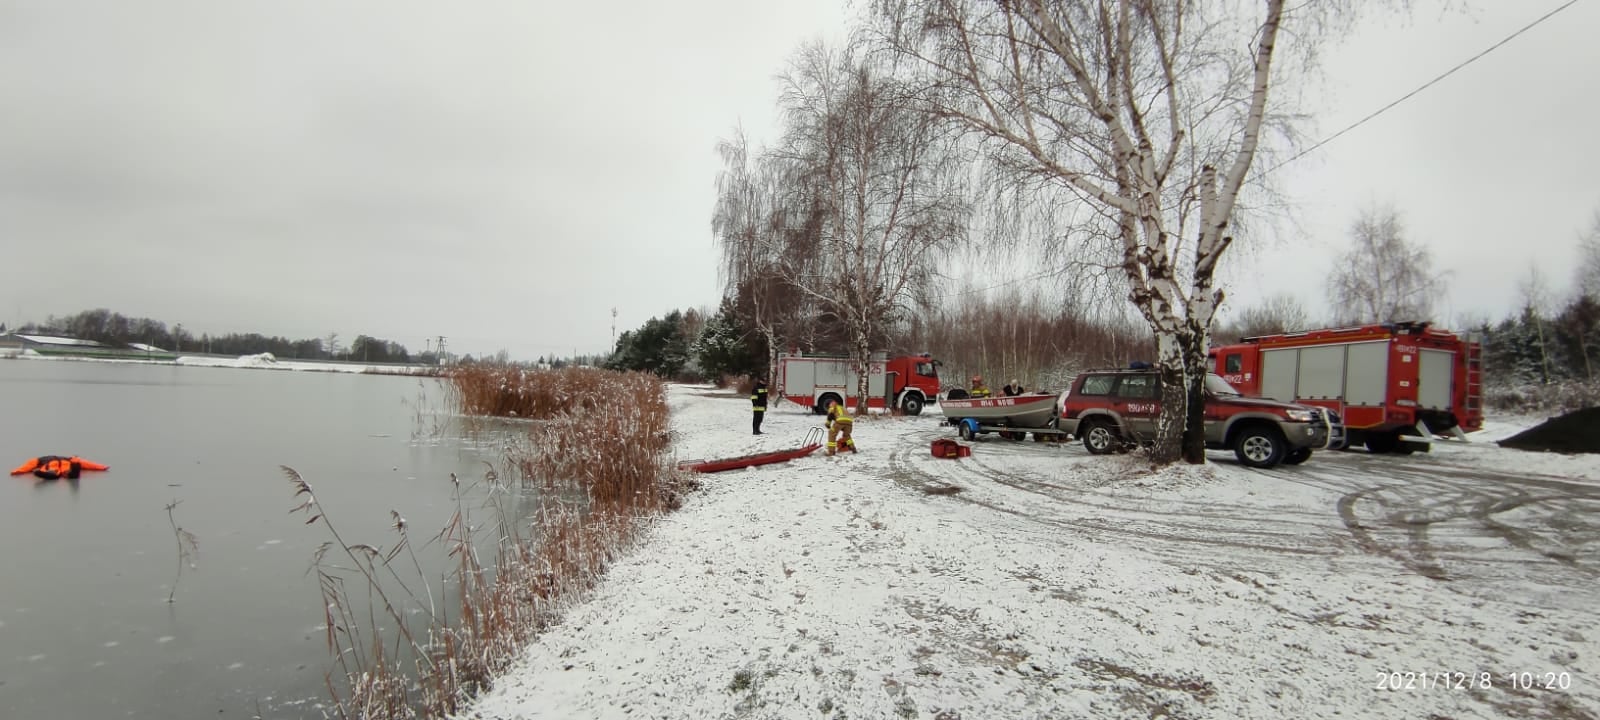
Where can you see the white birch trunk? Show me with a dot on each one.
(1174, 397)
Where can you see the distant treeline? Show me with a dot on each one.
(118, 330)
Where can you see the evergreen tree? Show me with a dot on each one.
(721, 348)
(658, 347)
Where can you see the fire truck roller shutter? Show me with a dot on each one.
(1366, 376)
(1321, 373)
(797, 375)
(1436, 379)
(1278, 369)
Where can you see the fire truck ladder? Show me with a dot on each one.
(1474, 382)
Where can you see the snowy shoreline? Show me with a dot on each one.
(261, 361)
(1055, 584)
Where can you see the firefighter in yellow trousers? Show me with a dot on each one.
(839, 426)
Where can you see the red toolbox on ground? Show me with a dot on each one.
(947, 448)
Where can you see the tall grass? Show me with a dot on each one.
(598, 460)
(505, 391)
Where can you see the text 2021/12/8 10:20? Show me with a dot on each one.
(1473, 680)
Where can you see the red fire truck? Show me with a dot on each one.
(906, 382)
(1394, 385)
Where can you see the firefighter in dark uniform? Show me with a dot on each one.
(758, 405)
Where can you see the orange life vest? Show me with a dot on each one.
(51, 467)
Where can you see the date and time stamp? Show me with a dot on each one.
(1478, 680)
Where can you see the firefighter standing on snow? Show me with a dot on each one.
(839, 425)
(758, 405)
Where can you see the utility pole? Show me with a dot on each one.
(613, 326)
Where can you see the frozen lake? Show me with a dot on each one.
(85, 567)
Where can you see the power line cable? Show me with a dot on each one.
(1422, 87)
(1332, 137)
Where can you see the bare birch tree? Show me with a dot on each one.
(1149, 111)
(1588, 281)
(1580, 319)
(1279, 313)
(883, 184)
(753, 249)
(1383, 277)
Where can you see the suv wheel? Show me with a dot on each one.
(1259, 446)
(1099, 437)
(1297, 456)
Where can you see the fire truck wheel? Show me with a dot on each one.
(1380, 443)
(1297, 456)
(1099, 437)
(822, 403)
(912, 404)
(1259, 446)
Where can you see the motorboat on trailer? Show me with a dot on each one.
(1029, 410)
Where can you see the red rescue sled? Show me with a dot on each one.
(813, 441)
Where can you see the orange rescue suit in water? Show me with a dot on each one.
(51, 467)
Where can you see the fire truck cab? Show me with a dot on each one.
(1394, 385)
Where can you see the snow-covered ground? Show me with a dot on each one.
(267, 361)
(1035, 581)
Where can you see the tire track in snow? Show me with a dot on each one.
(1433, 518)
(1440, 521)
(1179, 534)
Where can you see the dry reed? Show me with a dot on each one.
(188, 548)
(598, 460)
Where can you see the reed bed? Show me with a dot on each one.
(598, 461)
(506, 391)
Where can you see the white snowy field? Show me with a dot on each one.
(267, 361)
(1037, 581)
(261, 361)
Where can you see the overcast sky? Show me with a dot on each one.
(1493, 168)
(504, 173)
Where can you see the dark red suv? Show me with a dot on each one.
(1111, 409)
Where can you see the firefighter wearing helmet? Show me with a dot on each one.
(979, 390)
(839, 426)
